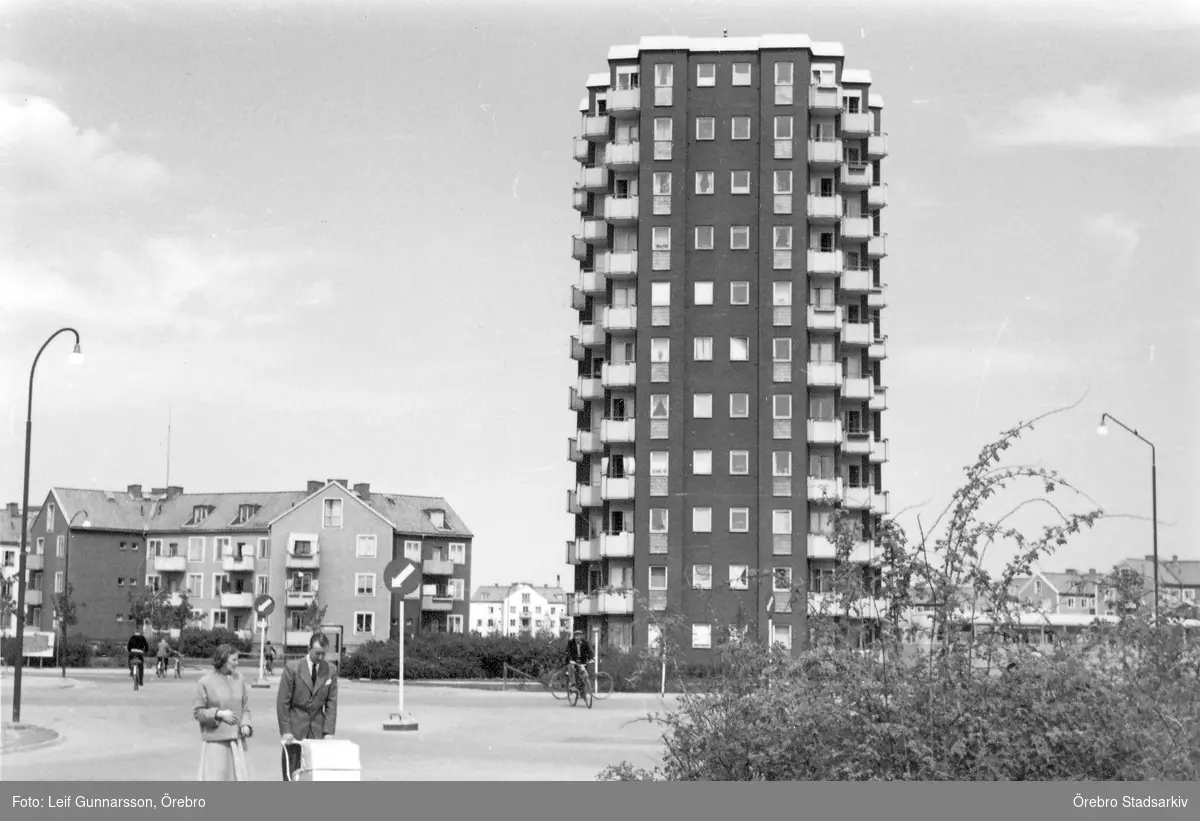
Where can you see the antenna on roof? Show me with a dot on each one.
(724, 32)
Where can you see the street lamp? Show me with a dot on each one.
(1103, 431)
(66, 599)
(76, 359)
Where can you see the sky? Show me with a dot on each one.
(333, 240)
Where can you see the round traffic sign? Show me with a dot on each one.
(263, 606)
(402, 576)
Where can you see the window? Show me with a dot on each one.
(739, 405)
(660, 350)
(783, 74)
(58, 582)
(364, 584)
(739, 293)
(739, 237)
(702, 462)
(41, 546)
(783, 128)
(739, 577)
(781, 406)
(702, 406)
(1071, 602)
(739, 182)
(659, 463)
(739, 462)
(658, 520)
(781, 463)
(658, 577)
(702, 520)
(781, 522)
(457, 586)
(781, 350)
(781, 580)
(706, 128)
(660, 406)
(821, 298)
(706, 74)
(701, 636)
(154, 547)
(220, 618)
(739, 520)
(60, 547)
(333, 513)
(663, 132)
(705, 182)
(662, 182)
(703, 346)
(660, 237)
(820, 408)
(195, 586)
(739, 349)
(264, 548)
(783, 182)
(740, 128)
(262, 585)
(783, 635)
(704, 293)
(702, 576)
(366, 546)
(704, 237)
(664, 75)
(195, 549)
(455, 623)
(783, 238)
(220, 584)
(820, 466)
(50, 510)
(741, 74)
(364, 622)
(781, 293)
(412, 551)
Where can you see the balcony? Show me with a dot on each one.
(237, 601)
(573, 506)
(579, 249)
(859, 388)
(303, 561)
(857, 229)
(863, 608)
(619, 320)
(825, 153)
(858, 498)
(621, 210)
(881, 503)
(877, 297)
(825, 318)
(824, 210)
(877, 196)
(824, 100)
(589, 442)
(592, 282)
(170, 564)
(593, 178)
(877, 246)
(437, 567)
(588, 495)
(35, 561)
(879, 451)
(583, 550)
(618, 265)
(616, 489)
(824, 432)
(577, 351)
(591, 335)
(824, 490)
(825, 262)
(600, 604)
(617, 431)
(857, 443)
(857, 125)
(822, 547)
(623, 156)
(596, 128)
(581, 200)
(582, 150)
(857, 280)
(33, 598)
(437, 604)
(857, 333)
(595, 232)
(574, 454)
(578, 298)
(619, 376)
(238, 564)
(616, 545)
(824, 374)
(857, 176)
(878, 348)
(590, 389)
(877, 146)
(297, 638)
(879, 400)
(625, 103)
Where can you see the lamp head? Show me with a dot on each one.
(87, 522)
(1103, 429)
(77, 355)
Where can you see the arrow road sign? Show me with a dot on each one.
(771, 606)
(402, 576)
(263, 606)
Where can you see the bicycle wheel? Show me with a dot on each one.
(558, 685)
(135, 679)
(604, 685)
(587, 693)
(572, 695)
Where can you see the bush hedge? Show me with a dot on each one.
(79, 652)
(455, 656)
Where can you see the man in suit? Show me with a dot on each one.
(307, 702)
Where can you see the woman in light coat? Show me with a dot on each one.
(222, 709)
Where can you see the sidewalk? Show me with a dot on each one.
(16, 738)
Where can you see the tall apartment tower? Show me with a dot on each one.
(730, 390)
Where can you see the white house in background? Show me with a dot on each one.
(519, 609)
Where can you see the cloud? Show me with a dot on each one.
(1119, 235)
(1097, 118)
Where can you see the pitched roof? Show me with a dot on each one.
(223, 511)
(495, 592)
(1145, 568)
(1186, 570)
(106, 509)
(409, 514)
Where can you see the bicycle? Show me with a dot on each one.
(601, 684)
(179, 667)
(160, 668)
(137, 668)
(579, 685)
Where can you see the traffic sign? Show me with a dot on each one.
(264, 606)
(402, 576)
(771, 606)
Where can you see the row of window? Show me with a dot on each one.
(366, 547)
(549, 624)
(820, 522)
(822, 298)
(821, 465)
(365, 584)
(702, 636)
(741, 74)
(740, 183)
(782, 238)
(820, 408)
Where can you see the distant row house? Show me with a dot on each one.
(519, 609)
(329, 543)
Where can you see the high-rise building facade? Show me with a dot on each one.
(730, 390)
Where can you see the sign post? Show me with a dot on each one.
(263, 607)
(770, 623)
(402, 576)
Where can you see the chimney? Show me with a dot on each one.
(1091, 571)
(314, 485)
(14, 508)
(1072, 571)
(135, 491)
(341, 482)
(558, 581)
(1175, 557)
(363, 489)
(173, 491)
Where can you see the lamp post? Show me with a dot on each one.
(76, 358)
(1103, 431)
(67, 589)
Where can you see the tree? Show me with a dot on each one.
(64, 607)
(313, 616)
(179, 617)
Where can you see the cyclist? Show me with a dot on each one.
(269, 657)
(163, 653)
(579, 653)
(137, 648)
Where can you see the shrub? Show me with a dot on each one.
(454, 656)
(196, 643)
(79, 652)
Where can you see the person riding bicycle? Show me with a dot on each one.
(163, 653)
(137, 648)
(269, 654)
(579, 653)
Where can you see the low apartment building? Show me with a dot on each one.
(519, 609)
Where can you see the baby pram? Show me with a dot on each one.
(330, 759)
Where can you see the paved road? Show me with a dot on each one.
(112, 733)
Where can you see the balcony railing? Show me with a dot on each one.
(593, 178)
(824, 490)
(623, 375)
(578, 299)
(624, 103)
(825, 262)
(822, 547)
(857, 229)
(589, 442)
(615, 431)
(170, 564)
(592, 282)
(617, 265)
(616, 545)
(877, 297)
(623, 156)
(590, 389)
(856, 443)
(824, 374)
(878, 348)
(859, 388)
(858, 497)
(299, 598)
(595, 232)
(616, 488)
(303, 560)
(621, 210)
(577, 350)
(437, 567)
(825, 153)
(33, 598)
(824, 432)
(879, 450)
(589, 495)
(620, 320)
(825, 209)
(857, 280)
(857, 124)
(856, 175)
(596, 127)
(437, 604)
(877, 196)
(35, 561)
(877, 146)
(237, 601)
(600, 604)
(879, 401)
(825, 318)
(297, 638)
(857, 333)
(238, 564)
(824, 99)
(877, 246)
(582, 150)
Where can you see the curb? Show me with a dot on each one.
(21, 747)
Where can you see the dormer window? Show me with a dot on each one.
(199, 514)
(246, 513)
(438, 517)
